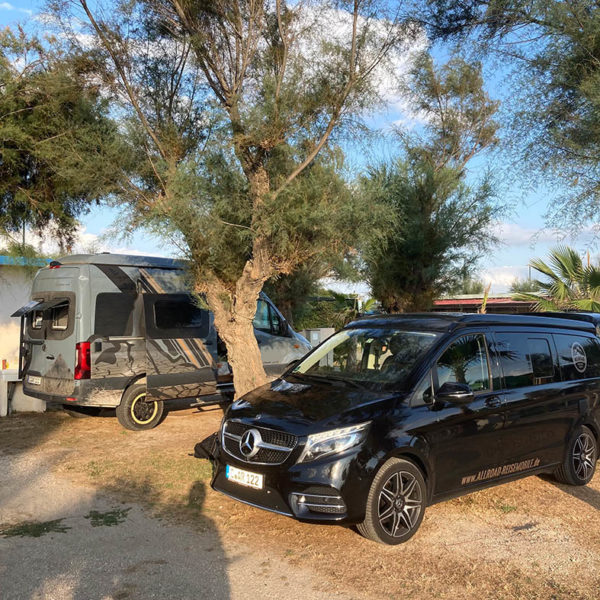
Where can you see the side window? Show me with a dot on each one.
(176, 315)
(525, 360)
(424, 392)
(541, 360)
(578, 356)
(36, 318)
(275, 322)
(465, 361)
(262, 320)
(114, 314)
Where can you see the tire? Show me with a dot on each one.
(135, 413)
(395, 504)
(78, 412)
(580, 459)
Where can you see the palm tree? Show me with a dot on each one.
(569, 285)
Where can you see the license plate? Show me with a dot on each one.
(253, 480)
(34, 380)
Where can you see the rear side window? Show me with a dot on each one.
(579, 356)
(114, 314)
(526, 360)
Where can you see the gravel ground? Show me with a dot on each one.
(92, 546)
(131, 515)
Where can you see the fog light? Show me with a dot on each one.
(317, 503)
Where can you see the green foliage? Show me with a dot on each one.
(566, 285)
(445, 224)
(524, 285)
(19, 251)
(233, 157)
(58, 144)
(555, 50)
(331, 309)
(468, 286)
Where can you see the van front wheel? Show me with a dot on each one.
(395, 504)
(135, 412)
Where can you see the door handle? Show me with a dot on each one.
(50, 356)
(493, 402)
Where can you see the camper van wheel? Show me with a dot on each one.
(135, 412)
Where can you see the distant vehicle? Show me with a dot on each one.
(395, 413)
(124, 332)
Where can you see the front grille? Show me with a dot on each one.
(274, 446)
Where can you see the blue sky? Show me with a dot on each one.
(523, 232)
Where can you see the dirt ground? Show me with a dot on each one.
(529, 539)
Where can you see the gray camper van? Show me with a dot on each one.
(120, 331)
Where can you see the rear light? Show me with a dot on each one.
(71, 399)
(83, 367)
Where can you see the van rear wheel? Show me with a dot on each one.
(135, 412)
(579, 463)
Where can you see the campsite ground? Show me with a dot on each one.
(89, 510)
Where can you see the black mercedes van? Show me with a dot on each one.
(394, 413)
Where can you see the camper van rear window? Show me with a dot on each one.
(114, 314)
(59, 317)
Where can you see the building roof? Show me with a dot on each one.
(22, 261)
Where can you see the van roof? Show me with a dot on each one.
(450, 321)
(124, 260)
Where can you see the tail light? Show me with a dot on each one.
(83, 367)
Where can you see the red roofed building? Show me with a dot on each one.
(499, 303)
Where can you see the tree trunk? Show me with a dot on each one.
(234, 314)
(243, 354)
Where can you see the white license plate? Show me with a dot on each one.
(253, 480)
(34, 380)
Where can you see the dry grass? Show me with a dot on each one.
(528, 539)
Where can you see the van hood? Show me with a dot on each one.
(303, 405)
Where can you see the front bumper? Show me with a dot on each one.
(333, 489)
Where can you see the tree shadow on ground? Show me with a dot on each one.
(101, 547)
(584, 493)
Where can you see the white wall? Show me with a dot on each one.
(15, 287)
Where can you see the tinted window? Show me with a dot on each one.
(541, 360)
(579, 356)
(179, 313)
(114, 314)
(525, 360)
(465, 361)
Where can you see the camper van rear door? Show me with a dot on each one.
(37, 305)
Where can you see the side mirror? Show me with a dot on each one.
(455, 393)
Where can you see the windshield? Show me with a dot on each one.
(367, 355)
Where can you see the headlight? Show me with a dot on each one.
(333, 441)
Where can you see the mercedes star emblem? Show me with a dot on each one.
(250, 443)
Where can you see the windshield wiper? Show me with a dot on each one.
(352, 382)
